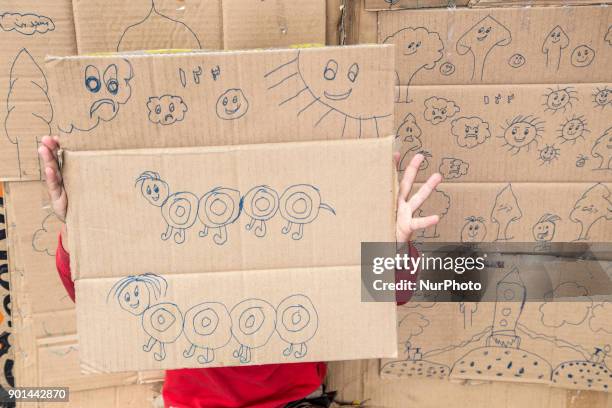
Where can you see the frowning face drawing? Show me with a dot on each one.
(337, 88)
(106, 86)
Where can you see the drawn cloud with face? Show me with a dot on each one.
(470, 131)
(27, 24)
(437, 110)
(106, 86)
(602, 150)
(451, 168)
(608, 37)
(166, 109)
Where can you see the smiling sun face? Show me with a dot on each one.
(548, 154)
(559, 99)
(521, 132)
(573, 129)
(602, 97)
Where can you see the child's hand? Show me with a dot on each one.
(48, 153)
(406, 224)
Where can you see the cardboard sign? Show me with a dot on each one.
(529, 45)
(238, 24)
(29, 30)
(223, 98)
(228, 255)
(376, 5)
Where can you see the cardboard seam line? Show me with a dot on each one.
(177, 275)
(183, 53)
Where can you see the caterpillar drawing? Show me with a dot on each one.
(220, 207)
(209, 326)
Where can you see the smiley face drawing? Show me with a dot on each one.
(582, 56)
(573, 129)
(437, 110)
(516, 61)
(105, 88)
(232, 104)
(602, 97)
(559, 99)
(474, 230)
(335, 90)
(521, 132)
(166, 109)
(544, 229)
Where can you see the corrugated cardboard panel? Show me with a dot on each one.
(529, 45)
(44, 319)
(118, 25)
(376, 5)
(116, 197)
(128, 396)
(264, 233)
(514, 211)
(29, 30)
(220, 98)
(277, 23)
(537, 3)
(518, 133)
(212, 25)
(561, 343)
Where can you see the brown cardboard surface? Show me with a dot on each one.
(477, 133)
(29, 30)
(538, 3)
(278, 23)
(263, 229)
(515, 211)
(44, 320)
(360, 380)
(127, 396)
(236, 97)
(561, 343)
(547, 45)
(380, 5)
(164, 24)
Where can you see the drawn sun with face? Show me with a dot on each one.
(548, 154)
(332, 90)
(573, 129)
(521, 132)
(602, 97)
(559, 99)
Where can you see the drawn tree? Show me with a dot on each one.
(437, 203)
(29, 111)
(594, 204)
(505, 211)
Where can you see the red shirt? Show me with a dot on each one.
(264, 386)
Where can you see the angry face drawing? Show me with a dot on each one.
(437, 110)
(105, 88)
(409, 133)
(166, 109)
(470, 132)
